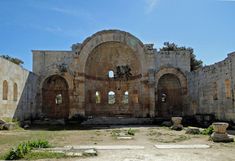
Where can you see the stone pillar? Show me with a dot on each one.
(151, 83)
(80, 92)
(220, 134)
(176, 123)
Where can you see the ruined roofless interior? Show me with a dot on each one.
(113, 73)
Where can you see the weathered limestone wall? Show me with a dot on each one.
(208, 90)
(175, 59)
(46, 62)
(49, 63)
(104, 58)
(20, 100)
(211, 89)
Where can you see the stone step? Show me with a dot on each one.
(117, 121)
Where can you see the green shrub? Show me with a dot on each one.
(207, 131)
(19, 152)
(24, 148)
(131, 132)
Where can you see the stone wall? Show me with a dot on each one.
(20, 91)
(211, 89)
(47, 64)
(175, 59)
(207, 90)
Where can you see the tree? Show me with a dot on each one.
(13, 60)
(194, 63)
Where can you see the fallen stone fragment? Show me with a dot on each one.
(167, 123)
(90, 152)
(192, 130)
(124, 138)
(74, 154)
(9, 126)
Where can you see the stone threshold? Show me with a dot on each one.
(105, 147)
(182, 146)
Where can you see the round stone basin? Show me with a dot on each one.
(220, 127)
(176, 120)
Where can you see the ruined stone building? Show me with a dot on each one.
(112, 73)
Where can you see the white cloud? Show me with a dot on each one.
(150, 5)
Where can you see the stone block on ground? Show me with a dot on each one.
(182, 146)
(26, 126)
(220, 132)
(106, 147)
(9, 126)
(176, 123)
(90, 152)
(124, 138)
(192, 130)
(74, 154)
(167, 123)
(2, 121)
(217, 137)
(177, 128)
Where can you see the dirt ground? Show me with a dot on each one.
(146, 136)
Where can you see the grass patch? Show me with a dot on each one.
(207, 131)
(43, 155)
(118, 132)
(131, 132)
(24, 148)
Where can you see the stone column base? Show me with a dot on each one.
(218, 137)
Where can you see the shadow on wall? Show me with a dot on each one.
(26, 106)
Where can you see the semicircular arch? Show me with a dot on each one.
(110, 36)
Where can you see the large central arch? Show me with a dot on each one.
(100, 53)
(101, 80)
(110, 36)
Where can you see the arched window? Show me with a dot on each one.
(15, 92)
(111, 74)
(58, 99)
(5, 90)
(125, 98)
(97, 97)
(111, 97)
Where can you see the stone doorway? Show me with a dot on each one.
(55, 97)
(169, 96)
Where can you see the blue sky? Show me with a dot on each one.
(208, 26)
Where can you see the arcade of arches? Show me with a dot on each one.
(109, 93)
(111, 76)
(113, 73)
